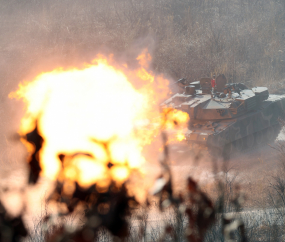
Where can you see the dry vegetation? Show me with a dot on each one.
(188, 38)
(244, 39)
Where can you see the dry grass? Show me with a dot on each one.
(242, 39)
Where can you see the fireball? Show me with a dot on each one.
(96, 111)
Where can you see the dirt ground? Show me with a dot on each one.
(251, 171)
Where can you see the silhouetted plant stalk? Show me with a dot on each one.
(110, 209)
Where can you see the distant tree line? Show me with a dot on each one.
(244, 39)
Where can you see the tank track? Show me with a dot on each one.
(248, 143)
(243, 145)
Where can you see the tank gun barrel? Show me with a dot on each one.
(180, 81)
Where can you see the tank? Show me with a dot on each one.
(229, 119)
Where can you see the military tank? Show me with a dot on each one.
(229, 119)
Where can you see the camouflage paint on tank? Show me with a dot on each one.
(218, 120)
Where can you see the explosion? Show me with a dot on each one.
(96, 116)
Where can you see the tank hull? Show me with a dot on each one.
(228, 135)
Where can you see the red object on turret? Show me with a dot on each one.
(213, 82)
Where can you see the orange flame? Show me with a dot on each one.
(78, 109)
(180, 137)
(173, 117)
